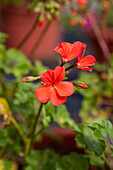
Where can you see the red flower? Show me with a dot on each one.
(83, 63)
(69, 51)
(55, 89)
(82, 2)
(73, 12)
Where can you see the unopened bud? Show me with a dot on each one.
(73, 12)
(30, 79)
(48, 16)
(80, 85)
(41, 20)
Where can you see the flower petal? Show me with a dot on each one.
(55, 99)
(84, 68)
(48, 77)
(59, 74)
(69, 51)
(76, 50)
(65, 88)
(42, 93)
(87, 61)
(63, 49)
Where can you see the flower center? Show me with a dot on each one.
(53, 84)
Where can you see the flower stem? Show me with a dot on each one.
(34, 128)
(31, 54)
(99, 36)
(28, 34)
(19, 129)
(106, 162)
(70, 67)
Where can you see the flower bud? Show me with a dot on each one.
(80, 85)
(30, 79)
(73, 12)
(41, 20)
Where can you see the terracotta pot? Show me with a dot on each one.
(60, 140)
(17, 22)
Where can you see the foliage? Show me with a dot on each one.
(97, 103)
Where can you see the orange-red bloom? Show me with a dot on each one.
(83, 63)
(54, 89)
(82, 2)
(69, 51)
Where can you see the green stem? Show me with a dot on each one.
(69, 67)
(31, 54)
(34, 128)
(106, 162)
(19, 129)
(28, 34)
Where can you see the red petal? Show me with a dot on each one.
(63, 49)
(84, 49)
(69, 51)
(76, 50)
(87, 61)
(48, 77)
(55, 99)
(59, 74)
(42, 93)
(84, 68)
(65, 88)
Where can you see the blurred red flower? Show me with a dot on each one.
(82, 2)
(83, 63)
(69, 51)
(55, 89)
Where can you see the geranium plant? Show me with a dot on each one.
(32, 97)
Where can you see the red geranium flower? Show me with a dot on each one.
(83, 63)
(69, 51)
(82, 2)
(54, 89)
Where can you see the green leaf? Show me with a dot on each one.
(96, 160)
(88, 139)
(44, 160)
(3, 37)
(62, 117)
(47, 114)
(16, 63)
(73, 161)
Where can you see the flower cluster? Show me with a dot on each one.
(53, 87)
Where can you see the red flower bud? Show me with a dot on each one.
(30, 79)
(73, 12)
(41, 23)
(80, 85)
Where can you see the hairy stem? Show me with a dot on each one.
(34, 128)
(19, 129)
(31, 54)
(99, 36)
(28, 34)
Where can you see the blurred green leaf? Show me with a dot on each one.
(16, 63)
(3, 37)
(62, 117)
(88, 139)
(44, 160)
(73, 161)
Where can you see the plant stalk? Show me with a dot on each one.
(19, 129)
(34, 128)
(31, 54)
(28, 34)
